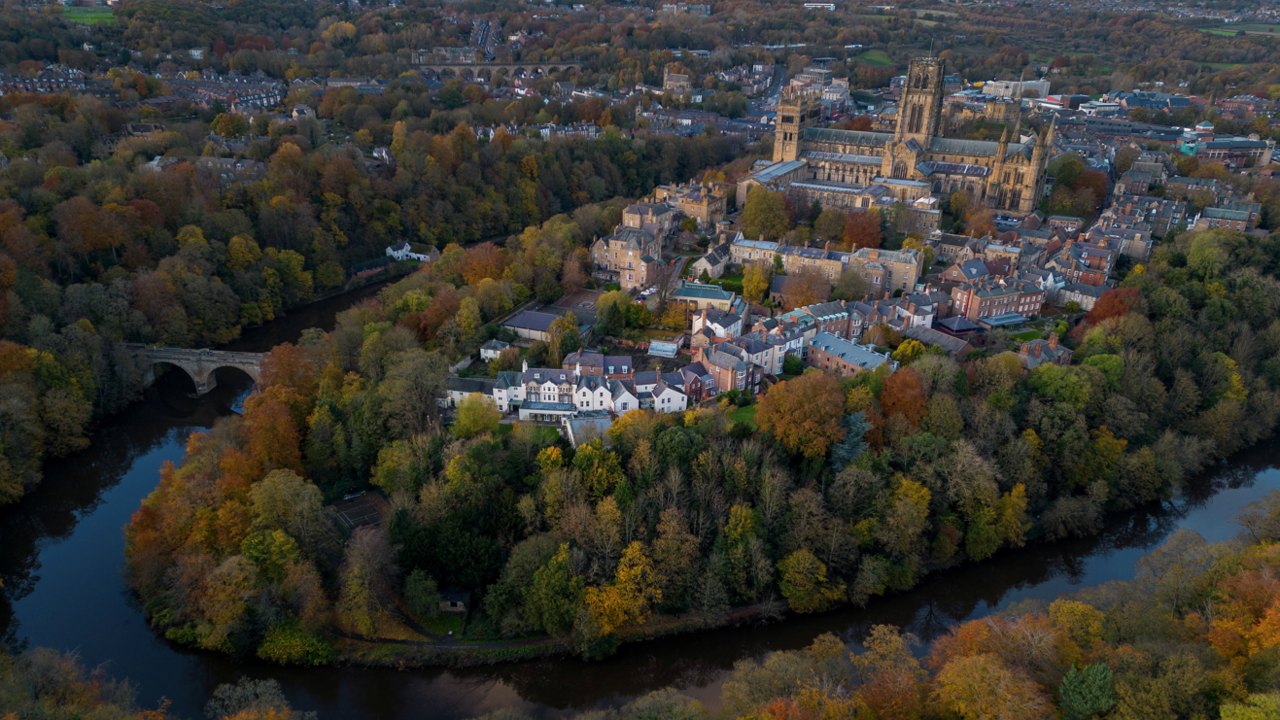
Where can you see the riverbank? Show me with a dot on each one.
(404, 655)
(387, 653)
(59, 554)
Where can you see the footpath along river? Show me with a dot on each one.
(61, 551)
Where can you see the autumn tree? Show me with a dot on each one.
(803, 414)
(485, 260)
(367, 575)
(675, 558)
(229, 125)
(904, 396)
(631, 596)
(421, 595)
(765, 214)
(477, 413)
(285, 501)
(980, 686)
(863, 229)
(803, 581)
(552, 600)
(906, 519)
(755, 280)
(562, 339)
(909, 351)
(891, 679)
(830, 224)
(409, 392)
(1113, 303)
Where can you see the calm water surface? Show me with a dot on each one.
(61, 552)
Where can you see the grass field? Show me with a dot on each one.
(89, 15)
(879, 58)
(745, 415)
(1028, 335)
(443, 624)
(1248, 28)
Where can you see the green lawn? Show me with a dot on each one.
(89, 15)
(443, 623)
(542, 434)
(879, 58)
(1248, 28)
(1028, 335)
(745, 415)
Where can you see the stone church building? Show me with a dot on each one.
(826, 164)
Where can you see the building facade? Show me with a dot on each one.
(1008, 175)
(634, 254)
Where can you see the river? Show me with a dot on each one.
(61, 550)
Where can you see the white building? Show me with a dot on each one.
(544, 394)
(413, 251)
(492, 349)
(1014, 88)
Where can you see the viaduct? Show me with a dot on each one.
(199, 364)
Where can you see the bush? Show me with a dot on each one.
(422, 596)
(791, 365)
(290, 644)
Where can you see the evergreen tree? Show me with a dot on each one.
(853, 445)
(1085, 694)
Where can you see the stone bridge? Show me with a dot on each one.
(199, 364)
(477, 69)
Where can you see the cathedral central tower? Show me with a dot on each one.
(920, 109)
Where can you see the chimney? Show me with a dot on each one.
(1025, 350)
(1053, 340)
(525, 366)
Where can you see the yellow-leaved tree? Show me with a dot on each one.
(628, 600)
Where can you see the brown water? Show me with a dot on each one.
(61, 552)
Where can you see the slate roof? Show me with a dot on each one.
(848, 137)
(635, 239)
(929, 336)
(698, 290)
(483, 386)
(843, 157)
(1225, 214)
(532, 320)
(863, 356)
(951, 168)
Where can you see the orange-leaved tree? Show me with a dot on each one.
(804, 414)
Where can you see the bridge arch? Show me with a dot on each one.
(201, 365)
(205, 375)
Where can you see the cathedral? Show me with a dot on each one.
(824, 162)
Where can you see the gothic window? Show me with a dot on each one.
(900, 170)
(913, 123)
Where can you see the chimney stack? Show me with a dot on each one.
(1053, 340)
